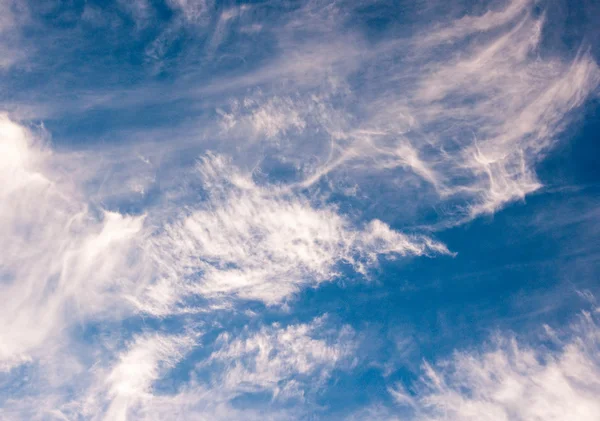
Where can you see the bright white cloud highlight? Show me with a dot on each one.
(61, 262)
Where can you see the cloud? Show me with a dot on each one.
(284, 361)
(266, 119)
(191, 18)
(63, 260)
(118, 385)
(512, 381)
(453, 116)
(289, 362)
(221, 28)
(500, 93)
(262, 243)
(140, 10)
(129, 382)
(459, 114)
(469, 25)
(471, 110)
(69, 261)
(12, 15)
(194, 11)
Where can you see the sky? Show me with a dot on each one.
(300, 210)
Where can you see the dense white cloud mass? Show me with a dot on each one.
(62, 263)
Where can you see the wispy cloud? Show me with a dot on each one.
(289, 362)
(469, 107)
(284, 361)
(194, 11)
(264, 243)
(69, 261)
(506, 73)
(111, 251)
(514, 381)
(12, 15)
(128, 384)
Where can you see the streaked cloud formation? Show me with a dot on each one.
(511, 381)
(189, 180)
(67, 256)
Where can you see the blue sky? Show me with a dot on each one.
(337, 210)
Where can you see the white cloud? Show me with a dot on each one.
(68, 261)
(469, 25)
(128, 383)
(287, 362)
(512, 102)
(118, 385)
(266, 118)
(469, 107)
(265, 244)
(466, 109)
(221, 29)
(511, 381)
(374, 413)
(284, 361)
(141, 10)
(62, 262)
(290, 363)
